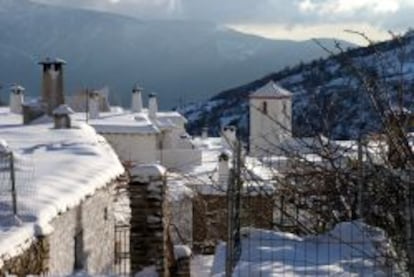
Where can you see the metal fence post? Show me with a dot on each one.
(13, 184)
(230, 240)
(233, 249)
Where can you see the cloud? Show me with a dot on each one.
(385, 14)
(349, 7)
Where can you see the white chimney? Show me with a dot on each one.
(93, 105)
(152, 106)
(204, 133)
(16, 98)
(136, 99)
(223, 169)
(228, 136)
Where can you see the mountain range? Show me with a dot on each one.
(182, 61)
(329, 95)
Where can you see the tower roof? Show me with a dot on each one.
(271, 91)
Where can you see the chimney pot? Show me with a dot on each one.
(136, 99)
(52, 83)
(93, 105)
(228, 136)
(223, 169)
(61, 116)
(152, 106)
(16, 98)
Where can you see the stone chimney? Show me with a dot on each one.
(93, 105)
(152, 106)
(52, 84)
(228, 136)
(136, 99)
(223, 169)
(61, 117)
(16, 98)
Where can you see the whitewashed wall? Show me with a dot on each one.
(180, 158)
(98, 236)
(268, 131)
(134, 147)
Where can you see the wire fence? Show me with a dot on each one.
(16, 174)
(330, 222)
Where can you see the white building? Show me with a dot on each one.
(270, 119)
(64, 181)
(143, 136)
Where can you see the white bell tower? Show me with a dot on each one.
(270, 119)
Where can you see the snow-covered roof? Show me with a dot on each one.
(203, 177)
(45, 161)
(271, 90)
(119, 121)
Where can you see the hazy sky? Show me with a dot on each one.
(294, 19)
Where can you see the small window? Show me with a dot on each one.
(284, 103)
(264, 107)
(78, 249)
(106, 213)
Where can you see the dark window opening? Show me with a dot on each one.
(106, 214)
(264, 107)
(78, 249)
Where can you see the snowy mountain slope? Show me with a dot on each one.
(324, 88)
(176, 59)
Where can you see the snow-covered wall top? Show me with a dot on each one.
(55, 170)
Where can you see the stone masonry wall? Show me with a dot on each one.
(55, 253)
(210, 218)
(33, 261)
(148, 235)
(94, 219)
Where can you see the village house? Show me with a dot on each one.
(58, 180)
(143, 135)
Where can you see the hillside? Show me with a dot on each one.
(177, 59)
(323, 89)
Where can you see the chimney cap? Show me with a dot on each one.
(63, 110)
(49, 60)
(152, 95)
(137, 88)
(15, 88)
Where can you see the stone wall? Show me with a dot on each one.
(210, 218)
(34, 260)
(148, 234)
(55, 253)
(94, 221)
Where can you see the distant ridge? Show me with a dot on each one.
(177, 59)
(313, 85)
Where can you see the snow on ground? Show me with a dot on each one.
(66, 166)
(201, 265)
(350, 249)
